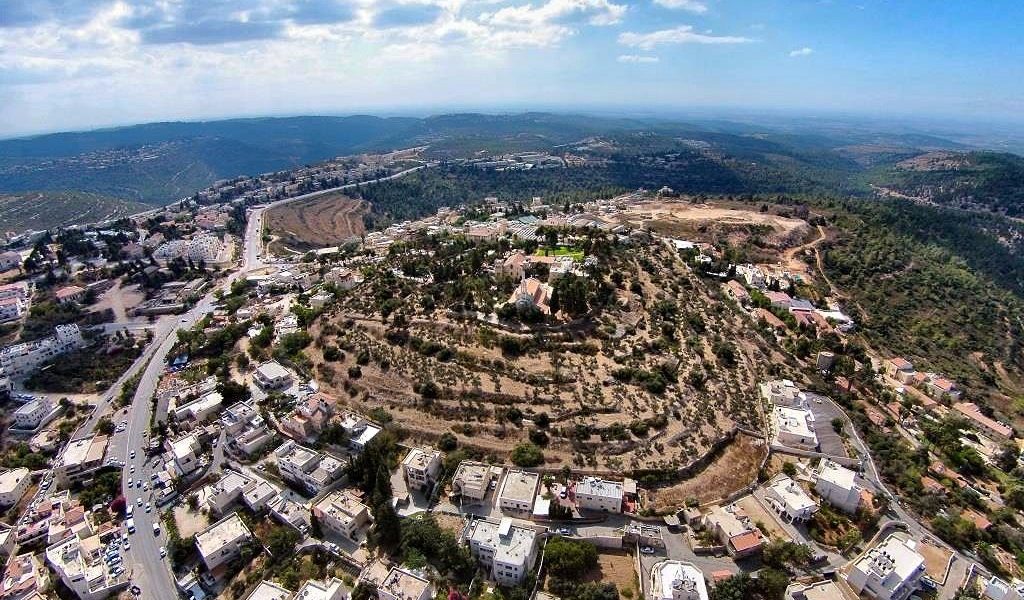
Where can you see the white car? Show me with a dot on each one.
(138, 502)
(132, 455)
(148, 507)
(163, 552)
(130, 483)
(127, 545)
(132, 470)
(647, 550)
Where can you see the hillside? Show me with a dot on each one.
(39, 210)
(986, 181)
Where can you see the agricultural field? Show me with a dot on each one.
(41, 210)
(329, 220)
(660, 371)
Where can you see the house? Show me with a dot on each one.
(33, 414)
(677, 580)
(310, 417)
(200, 409)
(597, 494)
(900, 369)
(404, 584)
(736, 291)
(795, 428)
(518, 491)
(984, 423)
(186, 452)
(837, 485)
(272, 376)
(309, 468)
(779, 299)
(783, 392)
(13, 485)
(331, 589)
(222, 542)
(735, 531)
(941, 387)
(421, 467)
(508, 551)
(268, 590)
(23, 577)
(71, 294)
(473, 479)
(342, 513)
(790, 500)
(226, 491)
(891, 570)
(81, 567)
(80, 459)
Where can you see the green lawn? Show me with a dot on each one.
(575, 253)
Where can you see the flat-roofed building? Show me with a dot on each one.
(13, 485)
(421, 467)
(795, 428)
(508, 550)
(81, 566)
(222, 542)
(790, 500)
(473, 479)
(404, 584)
(33, 414)
(309, 468)
(891, 570)
(342, 513)
(332, 589)
(226, 491)
(838, 485)
(237, 417)
(518, 491)
(999, 589)
(80, 459)
(185, 451)
(23, 576)
(268, 590)
(677, 580)
(593, 493)
(200, 409)
(819, 590)
(272, 376)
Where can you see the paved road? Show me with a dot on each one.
(151, 573)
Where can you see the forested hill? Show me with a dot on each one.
(986, 181)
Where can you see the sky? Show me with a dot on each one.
(81, 64)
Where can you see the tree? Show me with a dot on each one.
(281, 541)
(527, 455)
(784, 555)
(789, 469)
(105, 426)
(838, 425)
(568, 558)
(447, 442)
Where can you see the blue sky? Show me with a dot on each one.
(74, 64)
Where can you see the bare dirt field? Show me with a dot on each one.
(329, 220)
(936, 560)
(614, 567)
(189, 522)
(700, 220)
(734, 469)
(763, 518)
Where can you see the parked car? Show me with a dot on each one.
(647, 550)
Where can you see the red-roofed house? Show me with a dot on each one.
(940, 387)
(71, 293)
(780, 299)
(899, 369)
(737, 291)
(983, 422)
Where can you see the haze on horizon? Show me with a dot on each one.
(80, 64)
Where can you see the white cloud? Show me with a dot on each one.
(684, 34)
(637, 58)
(557, 12)
(688, 5)
(805, 51)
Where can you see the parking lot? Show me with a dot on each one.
(824, 411)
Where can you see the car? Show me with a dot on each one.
(136, 589)
(154, 477)
(562, 494)
(149, 507)
(563, 531)
(130, 483)
(163, 552)
(44, 485)
(156, 529)
(127, 546)
(647, 550)
(214, 443)
(132, 454)
(124, 537)
(132, 470)
(145, 487)
(139, 501)
(184, 320)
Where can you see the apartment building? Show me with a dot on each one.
(272, 376)
(795, 428)
(891, 570)
(593, 493)
(472, 479)
(33, 414)
(309, 468)
(200, 409)
(237, 417)
(186, 451)
(342, 513)
(81, 566)
(80, 459)
(222, 542)
(23, 577)
(838, 485)
(518, 491)
(734, 530)
(421, 467)
(13, 485)
(20, 360)
(508, 550)
(11, 309)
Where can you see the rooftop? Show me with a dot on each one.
(272, 370)
(593, 486)
(421, 458)
(520, 486)
(10, 479)
(404, 585)
(512, 544)
(229, 529)
(837, 475)
(671, 576)
(268, 590)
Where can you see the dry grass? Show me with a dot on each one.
(734, 469)
(764, 519)
(329, 220)
(615, 567)
(935, 560)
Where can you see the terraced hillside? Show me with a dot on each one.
(325, 221)
(40, 210)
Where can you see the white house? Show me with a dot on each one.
(508, 550)
(186, 452)
(32, 414)
(13, 485)
(890, 571)
(404, 584)
(796, 428)
(272, 376)
(593, 493)
(473, 479)
(342, 513)
(518, 491)
(790, 500)
(838, 485)
(421, 467)
(222, 542)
